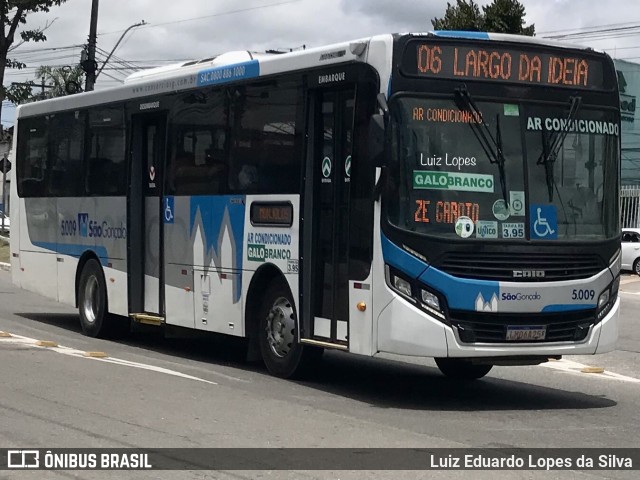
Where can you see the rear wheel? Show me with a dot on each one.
(283, 355)
(460, 369)
(95, 319)
(636, 266)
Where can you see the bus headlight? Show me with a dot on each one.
(401, 285)
(398, 282)
(607, 298)
(421, 295)
(431, 303)
(430, 300)
(604, 298)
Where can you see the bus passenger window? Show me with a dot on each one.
(32, 173)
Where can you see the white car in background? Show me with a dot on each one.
(631, 249)
(7, 223)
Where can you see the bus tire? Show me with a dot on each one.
(461, 369)
(95, 319)
(281, 352)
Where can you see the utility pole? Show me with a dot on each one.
(90, 65)
(118, 43)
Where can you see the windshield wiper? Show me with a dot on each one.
(492, 146)
(551, 145)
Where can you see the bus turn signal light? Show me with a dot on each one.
(362, 306)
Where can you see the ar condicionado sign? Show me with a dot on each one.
(570, 69)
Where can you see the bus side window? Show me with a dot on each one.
(66, 133)
(266, 138)
(197, 163)
(32, 173)
(106, 172)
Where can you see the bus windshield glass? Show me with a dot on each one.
(468, 169)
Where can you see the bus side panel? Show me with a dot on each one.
(276, 245)
(109, 229)
(71, 244)
(38, 244)
(217, 225)
(178, 266)
(16, 207)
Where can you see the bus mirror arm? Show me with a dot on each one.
(378, 133)
(383, 105)
(377, 140)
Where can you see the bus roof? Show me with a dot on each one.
(508, 37)
(239, 65)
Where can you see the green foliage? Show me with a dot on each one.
(506, 16)
(18, 65)
(465, 15)
(62, 80)
(18, 93)
(501, 16)
(13, 15)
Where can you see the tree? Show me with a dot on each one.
(502, 16)
(465, 15)
(61, 81)
(13, 14)
(506, 16)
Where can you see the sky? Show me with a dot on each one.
(194, 29)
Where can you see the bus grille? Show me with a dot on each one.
(501, 266)
(479, 327)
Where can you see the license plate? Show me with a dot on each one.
(517, 333)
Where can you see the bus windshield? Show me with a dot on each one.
(503, 170)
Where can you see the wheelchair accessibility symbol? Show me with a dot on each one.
(168, 210)
(544, 222)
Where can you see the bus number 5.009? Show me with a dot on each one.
(68, 228)
(583, 294)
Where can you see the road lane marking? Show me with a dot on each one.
(570, 366)
(72, 352)
(629, 293)
(625, 280)
(96, 354)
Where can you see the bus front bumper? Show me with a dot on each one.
(403, 329)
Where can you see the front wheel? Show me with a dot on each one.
(95, 319)
(283, 355)
(460, 369)
(636, 266)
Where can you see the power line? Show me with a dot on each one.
(597, 33)
(202, 17)
(585, 28)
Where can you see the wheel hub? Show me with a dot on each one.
(90, 303)
(281, 327)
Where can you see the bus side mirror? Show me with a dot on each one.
(377, 140)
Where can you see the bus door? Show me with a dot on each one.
(145, 218)
(327, 205)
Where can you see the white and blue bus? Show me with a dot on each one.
(450, 195)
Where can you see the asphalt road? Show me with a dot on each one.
(155, 392)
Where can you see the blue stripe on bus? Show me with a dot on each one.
(75, 250)
(229, 73)
(219, 213)
(398, 258)
(568, 308)
(462, 34)
(461, 293)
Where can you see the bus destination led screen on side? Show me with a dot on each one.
(477, 62)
